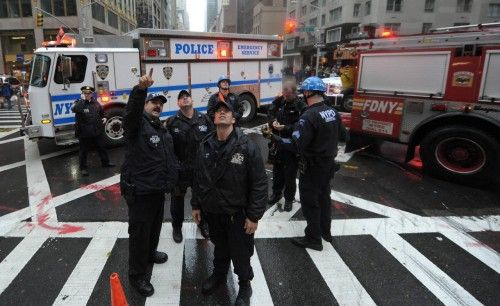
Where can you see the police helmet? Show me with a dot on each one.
(313, 84)
(223, 78)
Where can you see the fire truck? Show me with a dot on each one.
(180, 60)
(438, 92)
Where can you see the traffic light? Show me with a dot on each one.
(290, 26)
(39, 20)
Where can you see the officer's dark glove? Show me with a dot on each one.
(266, 132)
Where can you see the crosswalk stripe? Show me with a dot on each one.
(344, 285)
(18, 258)
(167, 278)
(434, 279)
(79, 285)
(261, 294)
(11, 140)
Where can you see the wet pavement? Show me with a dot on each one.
(400, 238)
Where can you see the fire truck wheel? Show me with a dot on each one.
(249, 107)
(461, 154)
(113, 128)
(347, 103)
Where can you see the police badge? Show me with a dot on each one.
(270, 69)
(102, 71)
(167, 72)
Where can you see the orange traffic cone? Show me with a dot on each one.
(118, 297)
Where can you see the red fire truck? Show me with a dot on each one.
(439, 92)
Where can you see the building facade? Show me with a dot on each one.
(182, 16)
(332, 22)
(19, 35)
(269, 17)
(212, 11)
(156, 14)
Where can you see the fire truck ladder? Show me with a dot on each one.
(480, 34)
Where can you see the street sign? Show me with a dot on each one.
(306, 29)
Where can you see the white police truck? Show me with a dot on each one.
(180, 60)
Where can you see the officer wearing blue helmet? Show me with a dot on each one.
(223, 95)
(315, 139)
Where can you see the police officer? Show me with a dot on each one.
(187, 127)
(283, 114)
(223, 95)
(230, 187)
(89, 121)
(149, 170)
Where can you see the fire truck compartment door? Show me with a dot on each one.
(409, 73)
(490, 84)
(204, 77)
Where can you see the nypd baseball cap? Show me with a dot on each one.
(183, 93)
(225, 104)
(156, 96)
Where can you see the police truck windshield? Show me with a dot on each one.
(40, 71)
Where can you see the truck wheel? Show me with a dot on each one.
(249, 107)
(347, 103)
(113, 128)
(460, 154)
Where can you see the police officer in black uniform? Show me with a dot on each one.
(89, 124)
(283, 114)
(230, 187)
(223, 95)
(187, 127)
(149, 170)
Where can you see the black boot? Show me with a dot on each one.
(204, 230)
(142, 286)
(327, 237)
(212, 283)
(275, 198)
(244, 294)
(158, 257)
(303, 242)
(288, 205)
(177, 234)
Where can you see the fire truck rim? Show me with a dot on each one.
(451, 153)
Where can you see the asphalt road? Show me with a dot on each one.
(400, 238)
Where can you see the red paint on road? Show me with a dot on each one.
(42, 218)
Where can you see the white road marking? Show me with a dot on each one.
(17, 259)
(80, 284)
(439, 283)
(11, 140)
(344, 285)
(261, 294)
(167, 277)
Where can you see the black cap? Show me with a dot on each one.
(221, 104)
(183, 93)
(156, 96)
(87, 89)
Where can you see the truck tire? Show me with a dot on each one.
(249, 107)
(461, 154)
(347, 100)
(113, 128)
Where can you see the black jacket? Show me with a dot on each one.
(88, 118)
(316, 133)
(286, 113)
(188, 134)
(150, 163)
(230, 177)
(231, 99)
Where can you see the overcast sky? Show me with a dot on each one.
(197, 10)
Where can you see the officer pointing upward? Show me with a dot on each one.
(89, 120)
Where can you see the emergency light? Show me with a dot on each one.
(223, 49)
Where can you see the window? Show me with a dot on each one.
(302, 41)
(331, 15)
(40, 71)
(291, 14)
(333, 35)
(494, 10)
(313, 22)
(323, 3)
(323, 17)
(59, 7)
(78, 69)
(464, 6)
(394, 27)
(98, 12)
(322, 38)
(13, 8)
(26, 8)
(113, 19)
(457, 24)
(314, 5)
(426, 27)
(337, 14)
(368, 8)
(70, 8)
(123, 25)
(303, 11)
(290, 44)
(355, 13)
(394, 5)
(355, 30)
(429, 6)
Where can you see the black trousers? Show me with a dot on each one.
(177, 205)
(314, 189)
(144, 226)
(231, 243)
(86, 143)
(285, 174)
